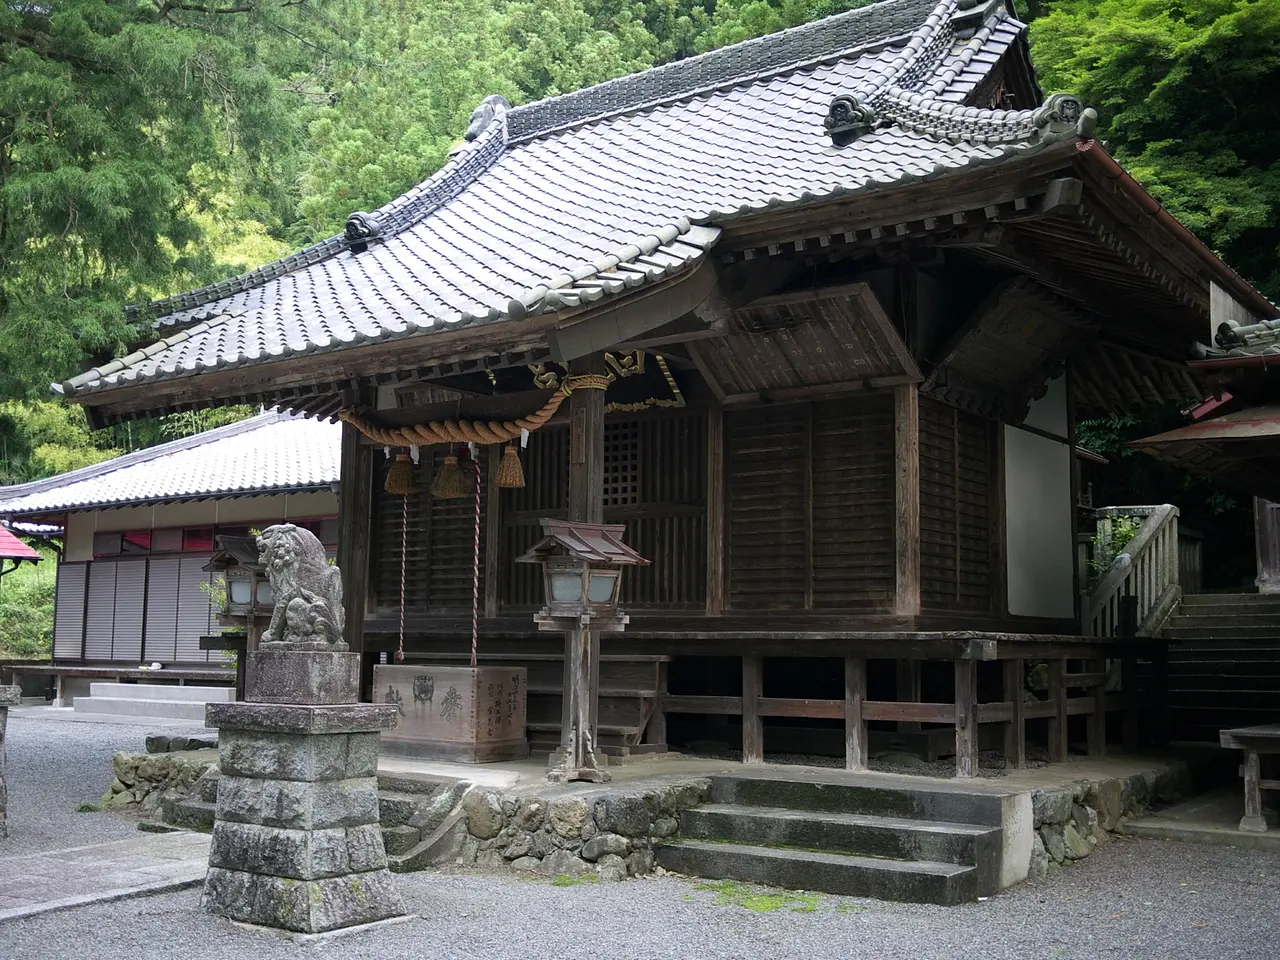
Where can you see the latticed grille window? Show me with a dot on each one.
(622, 464)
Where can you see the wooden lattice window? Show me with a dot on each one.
(621, 463)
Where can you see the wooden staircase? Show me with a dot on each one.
(1224, 664)
(629, 685)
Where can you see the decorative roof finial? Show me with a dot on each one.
(848, 118)
(360, 229)
(1064, 113)
(491, 107)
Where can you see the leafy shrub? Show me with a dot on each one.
(26, 609)
(1106, 548)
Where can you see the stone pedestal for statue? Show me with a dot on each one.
(297, 843)
(9, 697)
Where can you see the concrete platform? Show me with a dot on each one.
(62, 879)
(71, 715)
(154, 700)
(1212, 819)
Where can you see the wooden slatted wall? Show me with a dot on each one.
(810, 506)
(438, 568)
(766, 507)
(656, 483)
(162, 608)
(545, 494)
(131, 587)
(195, 612)
(956, 489)
(853, 473)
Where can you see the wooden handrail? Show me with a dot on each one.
(1147, 571)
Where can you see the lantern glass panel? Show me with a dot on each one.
(566, 586)
(266, 595)
(604, 586)
(239, 590)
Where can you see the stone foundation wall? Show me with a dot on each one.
(1071, 821)
(603, 832)
(143, 781)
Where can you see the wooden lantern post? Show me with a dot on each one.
(582, 566)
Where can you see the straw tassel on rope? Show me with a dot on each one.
(449, 483)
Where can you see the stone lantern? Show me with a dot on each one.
(582, 566)
(249, 601)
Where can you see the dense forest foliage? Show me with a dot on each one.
(149, 146)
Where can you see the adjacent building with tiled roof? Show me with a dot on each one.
(138, 530)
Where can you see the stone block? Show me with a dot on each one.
(611, 867)
(301, 718)
(297, 854)
(1050, 806)
(1077, 848)
(284, 756)
(1106, 797)
(484, 814)
(605, 843)
(10, 696)
(621, 814)
(298, 804)
(567, 815)
(284, 675)
(303, 906)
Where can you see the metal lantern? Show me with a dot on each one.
(582, 567)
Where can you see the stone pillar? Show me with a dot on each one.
(9, 697)
(297, 843)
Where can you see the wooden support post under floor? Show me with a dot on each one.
(752, 725)
(1132, 711)
(1015, 734)
(656, 730)
(1098, 719)
(966, 718)
(908, 690)
(1058, 722)
(855, 727)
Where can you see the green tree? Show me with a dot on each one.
(1186, 95)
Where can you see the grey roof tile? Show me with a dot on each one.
(271, 453)
(535, 201)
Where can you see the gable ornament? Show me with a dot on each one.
(848, 118)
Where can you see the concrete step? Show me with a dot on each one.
(162, 691)
(400, 839)
(1208, 617)
(160, 709)
(901, 798)
(892, 838)
(905, 881)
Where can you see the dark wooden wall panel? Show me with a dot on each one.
(853, 555)
(956, 490)
(829, 464)
(766, 515)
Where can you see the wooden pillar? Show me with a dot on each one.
(1132, 707)
(752, 725)
(855, 727)
(586, 446)
(966, 718)
(908, 690)
(656, 730)
(1015, 734)
(715, 511)
(355, 512)
(1253, 820)
(906, 499)
(1097, 726)
(1058, 722)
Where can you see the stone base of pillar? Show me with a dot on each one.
(296, 843)
(9, 697)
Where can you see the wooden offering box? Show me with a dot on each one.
(471, 714)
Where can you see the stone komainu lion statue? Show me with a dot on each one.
(308, 591)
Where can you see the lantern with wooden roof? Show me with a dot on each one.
(582, 566)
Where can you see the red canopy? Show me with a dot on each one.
(11, 548)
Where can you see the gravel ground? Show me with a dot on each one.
(56, 765)
(1130, 900)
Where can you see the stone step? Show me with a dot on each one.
(903, 798)
(400, 839)
(1232, 599)
(905, 881)
(1225, 631)
(191, 814)
(1210, 617)
(162, 691)
(891, 838)
(160, 709)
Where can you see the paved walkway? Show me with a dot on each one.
(58, 879)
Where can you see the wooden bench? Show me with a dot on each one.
(1255, 742)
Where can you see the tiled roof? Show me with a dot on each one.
(1252, 340)
(271, 453)
(594, 193)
